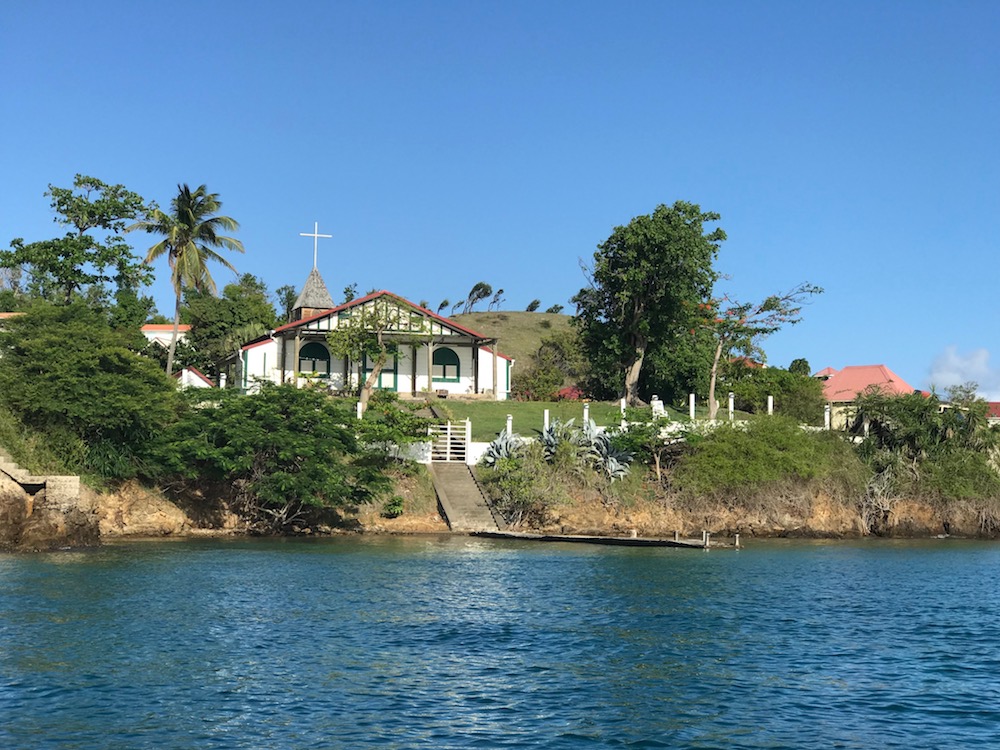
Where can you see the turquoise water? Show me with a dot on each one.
(445, 642)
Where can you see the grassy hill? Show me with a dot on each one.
(519, 333)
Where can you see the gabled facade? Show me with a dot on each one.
(161, 333)
(430, 353)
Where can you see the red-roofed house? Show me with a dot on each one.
(843, 386)
(993, 412)
(431, 353)
(161, 333)
(192, 377)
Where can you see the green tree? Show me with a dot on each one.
(739, 326)
(287, 296)
(799, 397)
(480, 291)
(190, 239)
(282, 453)
(369, 335)
(800, 366)
(63, 370)
(645, 280)
(92, 253)
(555, 309)
(243, 312)
(533, 305)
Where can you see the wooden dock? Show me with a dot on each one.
(619, 541)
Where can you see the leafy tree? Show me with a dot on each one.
(556, 309)
(369, 335)
(964, 394)
(65, 371)
(799, 397)
(190, 239)
(739, 327)
(800, 366)
(287, 296)
(443, 305)
(282, 453)
(350, 292)
(218, 324)
(533, 305)
(644, 281)
(480, 291)
(92, 253)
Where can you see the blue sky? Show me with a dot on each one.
(849, 144)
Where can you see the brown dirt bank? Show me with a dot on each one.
(139, 512)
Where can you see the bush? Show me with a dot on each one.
(766, 451)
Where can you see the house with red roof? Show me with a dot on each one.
(161, 333)
(841, 387)
(429, 353)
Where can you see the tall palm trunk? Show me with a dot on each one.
(173, 339)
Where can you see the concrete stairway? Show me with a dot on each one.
(463, 504)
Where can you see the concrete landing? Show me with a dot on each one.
(461, 500)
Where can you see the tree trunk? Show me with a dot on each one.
(371, 380)
(632, 371)
(713, 405)
(173, 339)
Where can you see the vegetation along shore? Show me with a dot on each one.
(603, 437)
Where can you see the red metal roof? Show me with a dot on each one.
(182, 328)
(846, 384)
(826, 372)
(993, 409)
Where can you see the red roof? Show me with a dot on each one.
(151, 327)
(374, 295)
(846, 384)
(993, 409)
(826, 372)
(197, 372)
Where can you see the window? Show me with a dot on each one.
(446, 366)
(314, 358)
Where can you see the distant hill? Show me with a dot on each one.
(519, 333)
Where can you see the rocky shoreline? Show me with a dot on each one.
(134, 512)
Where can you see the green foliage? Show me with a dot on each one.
(91, 254)
(673, 369)
(799, 397)
(536, 383)
(387, 422)
(518, 486)
(554, 309)
(287, 297)
(800, 366)
(480, 291)
(533, 305)
(646, 280)
(920, 446)
(746, 457)
(221, 325)
(64, 371)
(283, 451)
(393, 507)
(558, 360)
(191, 238)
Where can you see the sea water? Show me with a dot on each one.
(456, 642)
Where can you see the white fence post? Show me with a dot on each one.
(586, 411)
(691, 405)
(510, 424)
(826, 416)
(545, 420)
(732, 404)
(770, 405)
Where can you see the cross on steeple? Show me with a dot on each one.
(315, 235)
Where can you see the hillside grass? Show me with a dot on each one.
(519, 333)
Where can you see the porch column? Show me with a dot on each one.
(413, 369)
(475, 367)
(496, 384)
(295, 360)
(430, 365)
(284, 359)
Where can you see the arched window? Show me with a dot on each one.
(314, 358)
(446, 366)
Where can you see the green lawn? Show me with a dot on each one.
(489, 418)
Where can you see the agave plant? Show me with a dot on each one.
(505, 445)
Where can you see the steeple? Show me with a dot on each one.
(314, 297)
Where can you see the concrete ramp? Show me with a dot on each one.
(461, 500)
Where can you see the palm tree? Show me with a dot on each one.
(190, 238)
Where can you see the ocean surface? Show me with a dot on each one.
(455, 642)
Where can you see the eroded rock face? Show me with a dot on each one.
(135, 511)
(30, 523)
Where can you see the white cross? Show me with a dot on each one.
(315, 235)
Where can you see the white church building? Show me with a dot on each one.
(428, 353)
